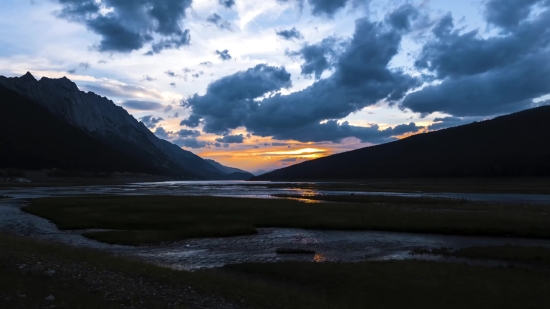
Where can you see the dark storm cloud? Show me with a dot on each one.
(188, 133)
(150, 121)
(192, 121)
(319, 57)
(161, 132)
(231, 139)
(218, 21)
(224, 54)
(326, 7)
(361, 78)
(142, 105)
(191, 142)
(401, 18)
(227, 3)
(486, 76)
(130, 25)
(507, 14)
(229, 100)
(335, 132)
(290, 34)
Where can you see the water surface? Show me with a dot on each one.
(345, 246)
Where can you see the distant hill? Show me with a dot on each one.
(507, 146)
(231, 172)
(32, 138)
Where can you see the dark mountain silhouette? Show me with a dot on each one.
(32, 138)
(103, 121)
(507, 146)
(231, 172)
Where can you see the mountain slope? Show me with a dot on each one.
(32, 138)
(231, 172)
(512, 145)
(109, 124)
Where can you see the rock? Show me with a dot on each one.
(50, 298)
(294, 251)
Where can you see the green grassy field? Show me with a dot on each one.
(136, 220)
(83, 278)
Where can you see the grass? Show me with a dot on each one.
(530, 255)
(395, 284)
(434, 185)
(138, 220)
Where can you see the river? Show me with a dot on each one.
(345, 246)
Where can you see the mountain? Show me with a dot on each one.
(230, 172)
(32, 138)
(507, 146)
(110, 125)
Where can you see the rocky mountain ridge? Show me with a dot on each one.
(111, 124)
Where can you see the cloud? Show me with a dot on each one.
(229, 100)
(188, 133)
(224, 54)
(142, 105)
(125, 26)
(507, 14)
(191, 143)
(361, 78)
(218, 21)
(486, 76)
(168, 108)
(192, 121)
(326, 7)
(148, 78)
(150, 121)
(402, 17)
(208, 64)
(289, 160)
(173, 84)
(319, 57)
(231, 139)
(227, 3)
(84, 65)
(278, 144)
(161, 132)
(117, 89)
(290, 34)
(71, 71)
(171, 73)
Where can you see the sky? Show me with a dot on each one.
(260, 85)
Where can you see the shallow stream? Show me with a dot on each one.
(348, 246)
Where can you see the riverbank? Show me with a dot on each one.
(517, 185)
(31, 271)
(143, 220)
